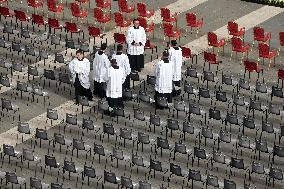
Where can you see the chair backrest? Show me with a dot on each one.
(194, 175)
(186, 52)
(175, 169)
(94, 31)
(162, 143)
(8, 150)
(98, 13)
(69, 166)
(75, 8)
(257, 168)
(142, 22)
(232, 27)
(71, 119)
(56, 186)
(38, 19)
(156, 165)
(41, 134)
(250, 66)
(51, 114)
(126, 182)
(78, 144)
(237, 163)
(263, 49)
(52, 22)
(141, 8)
(236, 42)
(23, 127)
(280, 74)
(89, 171)
(28, 154)
(258, 33)
(209, 57)
(279, 150)
(50, 161)
(118, 18)
(212, 38)
(165, 13)
(99, 149)
(110, 177)
(4, 11)
(200, 153)
(6, 104)
(71, 27)
(35, 183)
(190, 18)
(168, 28)
(21, 15)
(108, 128)
(276, 173)
(281, 38)
(122, 4)
(4, 80)
(229, 184)
(212, 180)
(11, 178)
(119, 38)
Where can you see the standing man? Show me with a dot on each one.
(123, 62)
(175, 56)
(136, 39)
(114, 78)
(164, 78)
(80, 71)
(100, 66)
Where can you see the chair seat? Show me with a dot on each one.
(147, 14)
(174, 34)
(104, 19)
(271, 54)
(36, 4)
(239, 33)
(56, 9)
(124, 23)
(196, 24)
(220, 43)
(171, 19)
(129, 9)
(21, 180)
(81, 14)
(244, 48)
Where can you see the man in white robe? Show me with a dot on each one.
(136, 39)
(164, 78)
(79, 68)
(100, 66)
(175, 56)
(114, 78)
(123, 62)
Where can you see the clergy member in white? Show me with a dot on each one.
(100, 66)
(123, 62)
(164, 78)
(175, 56)
(114, 78)
(80, 71)
(136, 39)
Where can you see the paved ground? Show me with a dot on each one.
(216, 15)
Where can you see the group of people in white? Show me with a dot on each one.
(111, 76)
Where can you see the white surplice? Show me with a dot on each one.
(164, 77)
(138, 36)
(101, 64)
(123, 62)
(82, 68)
(175, 56)
(114, 79)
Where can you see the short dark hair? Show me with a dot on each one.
(173, 42)
(135, 19)
(79, 51)
(165, 54)
(113, 62)
(119, 47)
(103, 46)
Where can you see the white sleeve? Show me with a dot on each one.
(143, 36)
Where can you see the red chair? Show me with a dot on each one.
(53, 7)
(233, 29)
(280, 76)
(167, 17)
(214, 42)
(260, 36)
(252, 67)
(76, 12)
(143, 12)
(72, 28)
(120, 21)
(281, 39)
(103, 3)
(264, 52)
(124, 7)
(239, 46)
(21, 15)
(35, 3)
(119, 38)
(3, 1)
(186, 53)
(192, 21)
(149, 45)
(170, 32)
(147, 27)
(4, 11)
(54, 23)
(211, 58)
(39, 20)
(95, 32)
(101, 17)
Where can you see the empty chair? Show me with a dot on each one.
(14, 179)
(37, 183)
(89, 172)
(172, 124)
(110, 177)
(51, 162)
(229, 184)
(41, 134)
(70, 167)
(212, 180)
(28, 155)
(23, 129)
(79, 144)
(126, 182)
(194, 175)
(61, 140)
(9, 150)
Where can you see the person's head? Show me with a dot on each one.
(136, 22)
(119, 48)
(173, 43)
(165, 54)
(103, 46)
(113, 62)
(79, 54)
